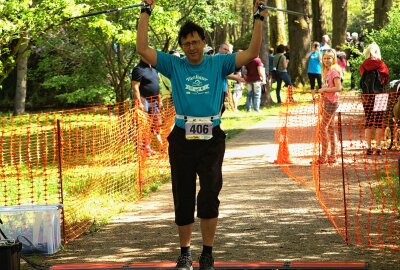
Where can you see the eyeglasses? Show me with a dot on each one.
(193, 43)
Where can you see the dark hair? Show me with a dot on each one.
(189, 28)
(280, 48)
(271, 50)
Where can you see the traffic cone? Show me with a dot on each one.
(289, 95)
(283, 151)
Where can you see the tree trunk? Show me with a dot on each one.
(220, 34)
(118, 69)
(247, 18)
(318, 20)
(22, 70)
(273, 26)
(381, 9)
(339, 25)
(299, 39)
(277, 25)
(266, 99)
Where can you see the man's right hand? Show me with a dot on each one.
(151, 3)
(142, 39)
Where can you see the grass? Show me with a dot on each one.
(387, 190)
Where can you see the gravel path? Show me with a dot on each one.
(265, 216)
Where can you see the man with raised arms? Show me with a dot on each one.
(197, 143)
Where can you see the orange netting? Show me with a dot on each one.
(115, 153)
(358, 191)
(87, 159)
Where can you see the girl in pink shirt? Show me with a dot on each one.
(330, 102)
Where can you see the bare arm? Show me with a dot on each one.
(234, 77)
(336, 88)
(142, 41)
(308, 54)
(261, 73)
(136, 94)
(338, 85)
(244, 57)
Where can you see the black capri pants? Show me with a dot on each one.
(312, 77)
(189, 158)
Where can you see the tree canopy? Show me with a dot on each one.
(88, 60)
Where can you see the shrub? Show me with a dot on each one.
(388, 40)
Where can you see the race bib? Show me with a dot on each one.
(380, 102)
(198, 129)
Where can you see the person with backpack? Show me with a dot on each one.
(281, 63)
(374, 78)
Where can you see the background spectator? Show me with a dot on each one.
(314, 58)
(341, 59)
(280, 63)
(271, 78)
(325, 44)
(356, 49)
(209, 51)
(373, 119)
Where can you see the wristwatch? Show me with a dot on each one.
(257, 15)
(146, 9)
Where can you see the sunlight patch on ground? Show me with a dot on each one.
(143, 218)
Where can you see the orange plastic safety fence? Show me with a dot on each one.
(358, 188)
(88, 159)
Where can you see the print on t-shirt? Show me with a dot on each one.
(197, 85)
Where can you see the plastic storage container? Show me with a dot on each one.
(37, 227)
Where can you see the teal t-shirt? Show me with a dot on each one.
(197, 90)
(314, 65)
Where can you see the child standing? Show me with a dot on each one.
(331, 74)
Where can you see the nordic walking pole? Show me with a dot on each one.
(106, 11)
(283, 10)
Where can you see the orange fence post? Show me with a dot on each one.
(343, 178)
(139, 151)
(59, 155)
